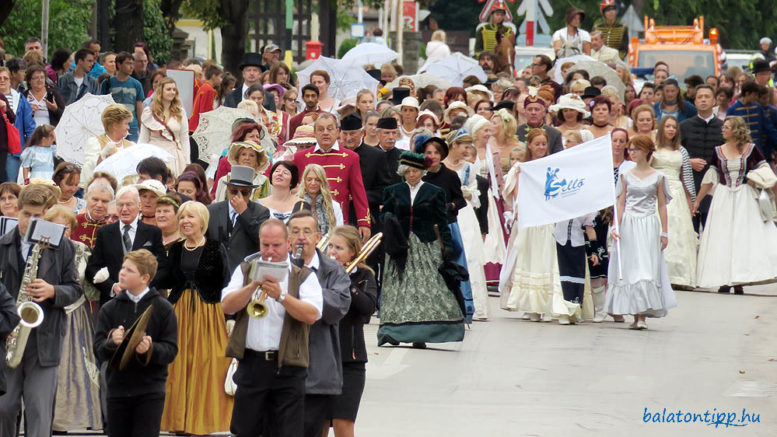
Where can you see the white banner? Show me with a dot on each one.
(565, 185)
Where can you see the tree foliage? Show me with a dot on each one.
(67, 24)
(155, 32)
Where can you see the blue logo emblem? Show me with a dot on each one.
(555, 186)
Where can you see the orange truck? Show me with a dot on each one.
(684, 48)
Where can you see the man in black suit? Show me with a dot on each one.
(388, 132)
(375, 173)
(235, 222)
(251, 69)
(117, 239)
(535, 118)
(54, 287)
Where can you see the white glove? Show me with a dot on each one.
(108, 150)
(509, 219)
(101, 276)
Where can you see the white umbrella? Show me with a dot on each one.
(574, 59)
(455, 68)
(214, 133)
(345, 79)
(80, 121)
(370, 53)
(421, 80)
(596, 68)
(123, 163)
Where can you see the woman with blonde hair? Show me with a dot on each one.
(197, 271)
(116, 119)
(315, 196)
(504, 139)
(644, 121)
(739, 242)
(617, 116)
(344, 245)
(165, 125)
(436, 48)
(77, 404)
(671, 159)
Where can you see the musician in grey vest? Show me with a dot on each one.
(48, 278)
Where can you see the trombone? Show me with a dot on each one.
(367, 249)
(324, 242)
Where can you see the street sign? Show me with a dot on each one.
(632, 21)
(545, 5)
(410, 12)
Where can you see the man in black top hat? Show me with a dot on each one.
(251, 69)
(388, 132)
(235, 222)
(399, 93)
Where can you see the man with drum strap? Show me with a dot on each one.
(273, 350)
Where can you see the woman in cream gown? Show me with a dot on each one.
(460, 143)
(673, 161)
(164, 124)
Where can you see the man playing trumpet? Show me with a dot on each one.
(272, 350)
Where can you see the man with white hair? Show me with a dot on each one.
(600, 51)
(99, 195)
(117, 239)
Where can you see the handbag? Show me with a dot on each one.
(14, 141)
(229, 385)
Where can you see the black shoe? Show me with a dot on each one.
(419, 345)
(738, 289)
(391, 341)
(724, 289)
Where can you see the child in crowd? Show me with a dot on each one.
(38, 155)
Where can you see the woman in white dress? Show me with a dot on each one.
(165, 125)
(738, 246)
(488, 166)
(673, 161)
(533, 277)
(468, 222)
(315, 196)
(638, 284)
(284, 177)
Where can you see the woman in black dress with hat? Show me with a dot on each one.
(416, 305)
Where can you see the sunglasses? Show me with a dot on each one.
(235, 192)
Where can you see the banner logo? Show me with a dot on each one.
(557, 187)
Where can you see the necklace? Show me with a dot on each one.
(192, 249)
(601, 126)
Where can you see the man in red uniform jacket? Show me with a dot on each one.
(343, 171)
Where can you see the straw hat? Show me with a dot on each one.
(453, 107)
(303, 135)
(234, 154)
(570, 101)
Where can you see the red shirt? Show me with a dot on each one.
(203, 102)
(344, 175)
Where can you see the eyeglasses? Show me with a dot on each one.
(235, 192)
(307, 232)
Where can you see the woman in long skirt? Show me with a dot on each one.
(641, 287)
(196, 402)
(416, 305)
(673, 161)
(738, 245)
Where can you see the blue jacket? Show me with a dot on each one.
(762, 131)
(25, 124)
(689, 111)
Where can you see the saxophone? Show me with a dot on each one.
(30, 312)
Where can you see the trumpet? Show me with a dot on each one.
(257, 308)
(324, 242)
(367, 249)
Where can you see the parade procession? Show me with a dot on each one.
(383, 218)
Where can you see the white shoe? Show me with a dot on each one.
(599, 300)
(634, 325)
(641, 325)
(534, 317)
(564, 320)
(547, 318)
(526, 316)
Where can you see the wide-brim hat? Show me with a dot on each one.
(152, 185)
(252, 60)
(303, 135)
(234, 154)
(428, 113)
(453, 107)
(398, 94)
(375, 73)
(275, 86)
(423, 140)
(481, 89)
(241, 176)
(505, 104)
(591, 92)
(570, 101)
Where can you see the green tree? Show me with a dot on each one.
(155, 32)
(67, 24)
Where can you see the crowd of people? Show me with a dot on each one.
(311, 189)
